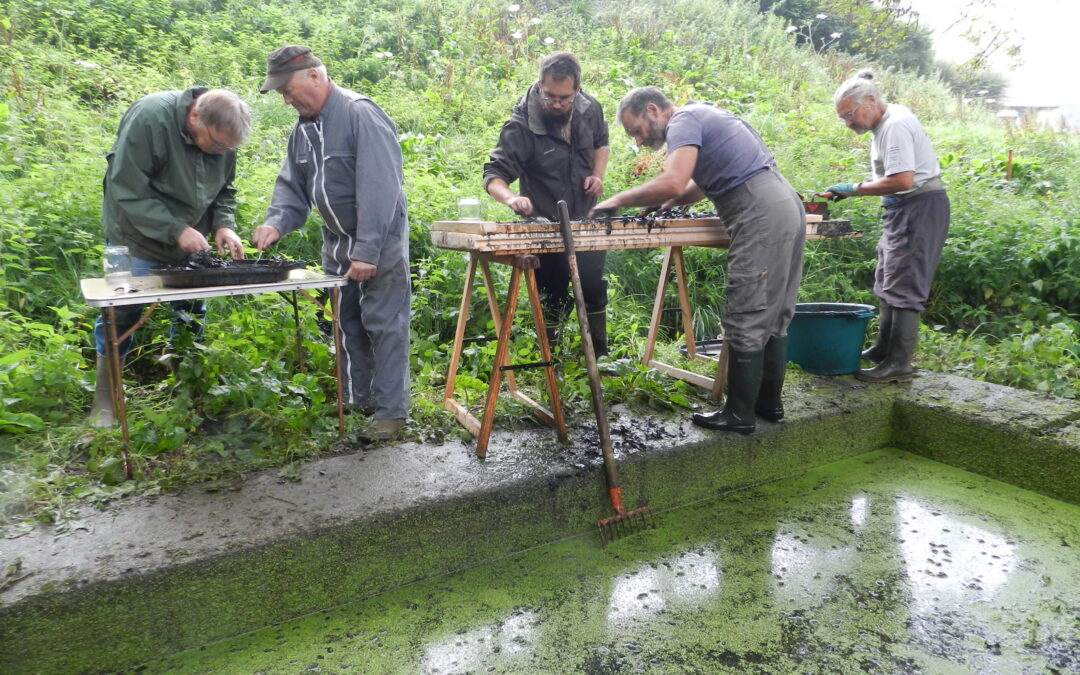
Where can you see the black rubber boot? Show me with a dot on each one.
(774, 365)
(743, 383)
(903, 335)
(101, 410)
(553, 335)
(598, 330)
(880, 348)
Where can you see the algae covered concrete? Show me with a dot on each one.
(883, 563)
(162, 575)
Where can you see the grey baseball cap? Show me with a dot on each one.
(282, 63)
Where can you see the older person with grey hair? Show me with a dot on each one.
(168, 186)
(715, 155)
(343, 157)
(907, 178)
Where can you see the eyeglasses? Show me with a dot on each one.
(850, 115)
(218, 145)
(559, 100)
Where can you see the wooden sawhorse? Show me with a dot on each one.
(673, 255)
(521, 265)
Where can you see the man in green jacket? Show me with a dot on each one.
(168, 185)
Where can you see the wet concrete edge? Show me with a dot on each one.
(163, 575)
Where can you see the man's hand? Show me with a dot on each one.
(839, 191)
(226, 238)
(192, 241)
(521, 205)
(608, 207)
(360, 271)
(264, 235)
(594, 186)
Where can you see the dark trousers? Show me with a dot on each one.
(912, 237)
(553, 279)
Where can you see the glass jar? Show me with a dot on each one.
(117, 264)
(468, 208)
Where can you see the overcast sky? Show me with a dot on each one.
(1049, 29)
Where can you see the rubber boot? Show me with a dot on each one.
(743, 384)
(101, 410)
(774, 366)
(554, 337)
(598, 330)
(880, 348)
(903, 334)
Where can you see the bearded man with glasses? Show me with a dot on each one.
(556, 144)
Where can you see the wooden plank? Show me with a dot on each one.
(522, 227)
(542, 413)
(685, 375)
(463, 416)
(532, 245)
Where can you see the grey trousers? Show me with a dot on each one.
(912, 238)
(767, 224)
(375, 342)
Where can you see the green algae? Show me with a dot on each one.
(886, 562)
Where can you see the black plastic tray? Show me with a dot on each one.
(237, 272)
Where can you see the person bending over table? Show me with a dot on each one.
(168, 185)
(556, 144)
(907, 177)
(344, 157)
(714, 154)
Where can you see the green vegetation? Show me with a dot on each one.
(448, 72)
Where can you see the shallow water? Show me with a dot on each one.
(883, 563)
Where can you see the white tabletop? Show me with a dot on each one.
(145, 290)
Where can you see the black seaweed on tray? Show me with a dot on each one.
(209, 260)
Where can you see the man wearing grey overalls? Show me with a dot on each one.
(916, 220)
(713, 154)
(344, 157)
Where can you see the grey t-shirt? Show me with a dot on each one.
(900, 144)
(730, 152)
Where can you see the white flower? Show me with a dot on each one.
(821, 17)
(535, 21)
(513, 9)
(516, 35)
(89, 65)
(549, 41)
(835, 36)
(792, 29)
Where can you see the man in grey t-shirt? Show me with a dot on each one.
(914, 226)
(715, 155)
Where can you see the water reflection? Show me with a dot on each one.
(858, 511)
(950, 562)
(687, 580)
(469, 651)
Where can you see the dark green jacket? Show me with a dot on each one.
(548, 167)
(158, 182)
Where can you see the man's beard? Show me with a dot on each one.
(553, 121)
(657, 136)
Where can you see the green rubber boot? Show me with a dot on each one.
(743, 384)
(774, 365)
(880, 348)
(897, 366)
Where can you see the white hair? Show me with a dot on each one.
(859, 87)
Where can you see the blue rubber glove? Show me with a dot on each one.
(842, 191)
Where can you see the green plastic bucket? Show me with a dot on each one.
(826, 338)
